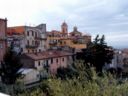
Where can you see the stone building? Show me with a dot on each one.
(28, 39)
(3, 28)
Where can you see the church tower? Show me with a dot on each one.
(64, 28)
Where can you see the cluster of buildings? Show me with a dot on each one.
(45, 51)
(41, 49)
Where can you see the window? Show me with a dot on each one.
(1, 46)
(46, 62)
(64, 42)
(44, 46)
(38, 63)
(27, 33)
(33, 51)
(39, 43)
(32, 33)
(38, 75)
(51, 60)
(62, 59)
(33, 42)
(27, 42)
(21, 49)
(39, 50)
(35, 34)
(56, 60)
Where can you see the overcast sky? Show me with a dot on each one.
(109, 17)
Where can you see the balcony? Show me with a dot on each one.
(31, 46)
(40, 37)
(53, 43)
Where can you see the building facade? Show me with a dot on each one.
(49, 60)
(3, 28)
(28, 39)
(117, 61)
(74, 39)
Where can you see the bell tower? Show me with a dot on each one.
(64, 27)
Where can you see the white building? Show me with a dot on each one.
(117, 61)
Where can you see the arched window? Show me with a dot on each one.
(35, 34)
(32, 33)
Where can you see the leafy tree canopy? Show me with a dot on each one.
(97, 54)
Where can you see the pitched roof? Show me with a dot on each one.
(16, 30)
(47, 54)
(54, 33)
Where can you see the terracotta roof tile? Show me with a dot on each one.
(16, 30)
(48, 54)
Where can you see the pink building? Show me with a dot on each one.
(49, 60)
(3, 28)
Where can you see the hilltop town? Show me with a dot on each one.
(40, 48)
(43, 52)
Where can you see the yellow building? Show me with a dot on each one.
(74, 39)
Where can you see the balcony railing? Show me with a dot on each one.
(41, 37)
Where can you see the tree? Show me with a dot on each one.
(10, 66)
(97, 54)
(65, 73)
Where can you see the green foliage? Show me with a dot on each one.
(105, 85)
(34, 92)
(65, 73)
(98, 53)
(10, 67)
